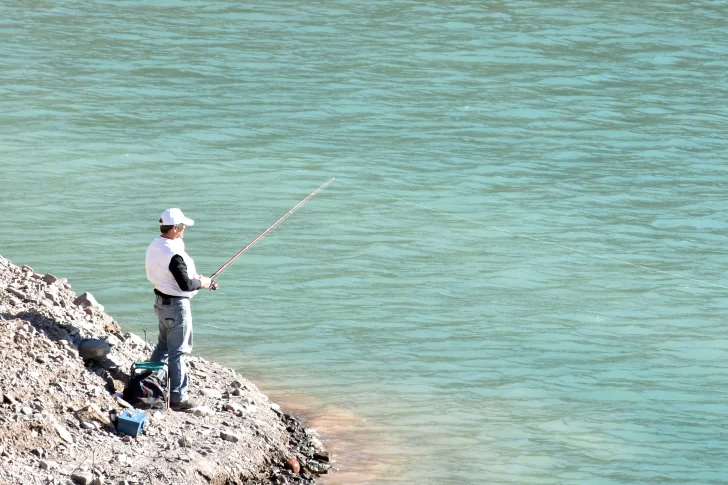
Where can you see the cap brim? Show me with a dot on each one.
(188, 222)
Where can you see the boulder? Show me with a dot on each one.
(87, 300)
(92, 348)
(49, 278)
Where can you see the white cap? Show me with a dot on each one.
(172, 217)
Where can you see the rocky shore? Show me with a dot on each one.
(57, 409)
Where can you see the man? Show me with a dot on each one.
(176, 281)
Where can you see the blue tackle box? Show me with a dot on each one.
(131, 422)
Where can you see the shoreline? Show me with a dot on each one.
(56, 409)
(365, 453)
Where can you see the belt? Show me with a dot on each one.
(167, 299)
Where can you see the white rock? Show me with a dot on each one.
(213, 393)
(63, 433)
(112, 340)
(202, 411)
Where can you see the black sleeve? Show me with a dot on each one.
(178, 268)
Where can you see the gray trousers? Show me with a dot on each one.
(175, 342)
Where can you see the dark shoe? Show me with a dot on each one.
(183, 405)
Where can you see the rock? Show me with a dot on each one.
(49, 278)
(97, 414)
(123, 403)
(63, 433)
(82, 478)
(322, 456)
(17, 293)
(110, 326)
(63, 403)
(202, 411)
(234, 407)
(293, 465)
(318, 468)
(112, 340)
(92, 348)
(213, 393)
(86, 300)
(47, 465)
(134, 339)
(229, 437)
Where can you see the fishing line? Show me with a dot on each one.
(543, 241)
(213, 285)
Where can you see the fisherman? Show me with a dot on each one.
(176, 281)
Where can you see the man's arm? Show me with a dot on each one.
(178, 268)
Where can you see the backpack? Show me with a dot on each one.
(147, 390)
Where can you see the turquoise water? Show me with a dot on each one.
(472, 300)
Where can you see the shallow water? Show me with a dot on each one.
(518, 276)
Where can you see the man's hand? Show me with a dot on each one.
(206, 282)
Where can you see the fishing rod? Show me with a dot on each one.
(214, 284)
